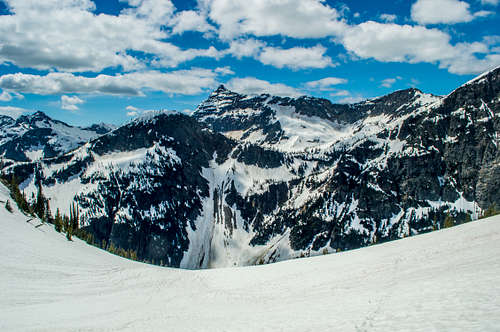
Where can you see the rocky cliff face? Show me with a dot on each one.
(258, 179)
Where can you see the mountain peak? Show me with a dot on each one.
(221, 88)
(37, 116)
(222, 91)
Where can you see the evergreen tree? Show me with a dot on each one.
(58, 222)
(112, 248)
(8, 207)
(15, 193)
(491, 211)
(66, 223)
(40, 202)
(74, 217)
(48, 214)
(25, 205)
(69, 233)
(448, 221)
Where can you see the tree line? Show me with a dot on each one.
(39, 207)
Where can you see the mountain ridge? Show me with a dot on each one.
(258, 179)
(36, 136)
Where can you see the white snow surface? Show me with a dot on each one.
(441, 281)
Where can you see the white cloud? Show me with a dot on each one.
(72, 38)
(326, 84)
(131, 108)
(414, 44)
(443, 11)
(132, 111)
(351, 100)
(388, 17)
(388, 82)
(190, 20)
(224, 71)
(392, 42)
(466, 62)
(70, 102)
(157, 12)
(254, 86)
(296, 57)
(185, 82)
(292, 18)
(245, 48)
(340, 93)
(483, 13)
(5, 96)
(13, 112)
(8, 96)
(490, 2)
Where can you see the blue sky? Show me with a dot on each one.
(85, 61)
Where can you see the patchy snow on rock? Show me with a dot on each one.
(304, 132)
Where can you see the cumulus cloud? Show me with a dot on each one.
(296, 57)
(70, 103)
(392, 42)
(292, 18)
(414, 44)
(340, 93)
(388, 17)
(254, 86)
(351, 100)
(326, 84)
(8, 96)
(157, 12)
(132, 111)
(224, 71)
(184, 82)
(490, 2)
(443, 11)
(13, 112)
(72, 38)
(466, 61)
(245, 48)
(388, 82)
(5, 96)
(190, 20)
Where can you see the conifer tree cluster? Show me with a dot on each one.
(40, 208)
(62, 223)
(490, 211)
(18, 197)
(449, 221)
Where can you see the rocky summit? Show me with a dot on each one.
(258, 179)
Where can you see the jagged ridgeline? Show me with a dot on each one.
(258, 179)
(37, 136)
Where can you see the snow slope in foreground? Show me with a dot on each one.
(443, 281)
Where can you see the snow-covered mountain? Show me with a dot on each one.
(257, 179)
(441, 281)
(37, 136)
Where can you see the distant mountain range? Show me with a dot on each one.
(258, 179)
(37, 136)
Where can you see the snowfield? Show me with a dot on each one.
(442, 281)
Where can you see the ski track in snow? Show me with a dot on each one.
(441, 281)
